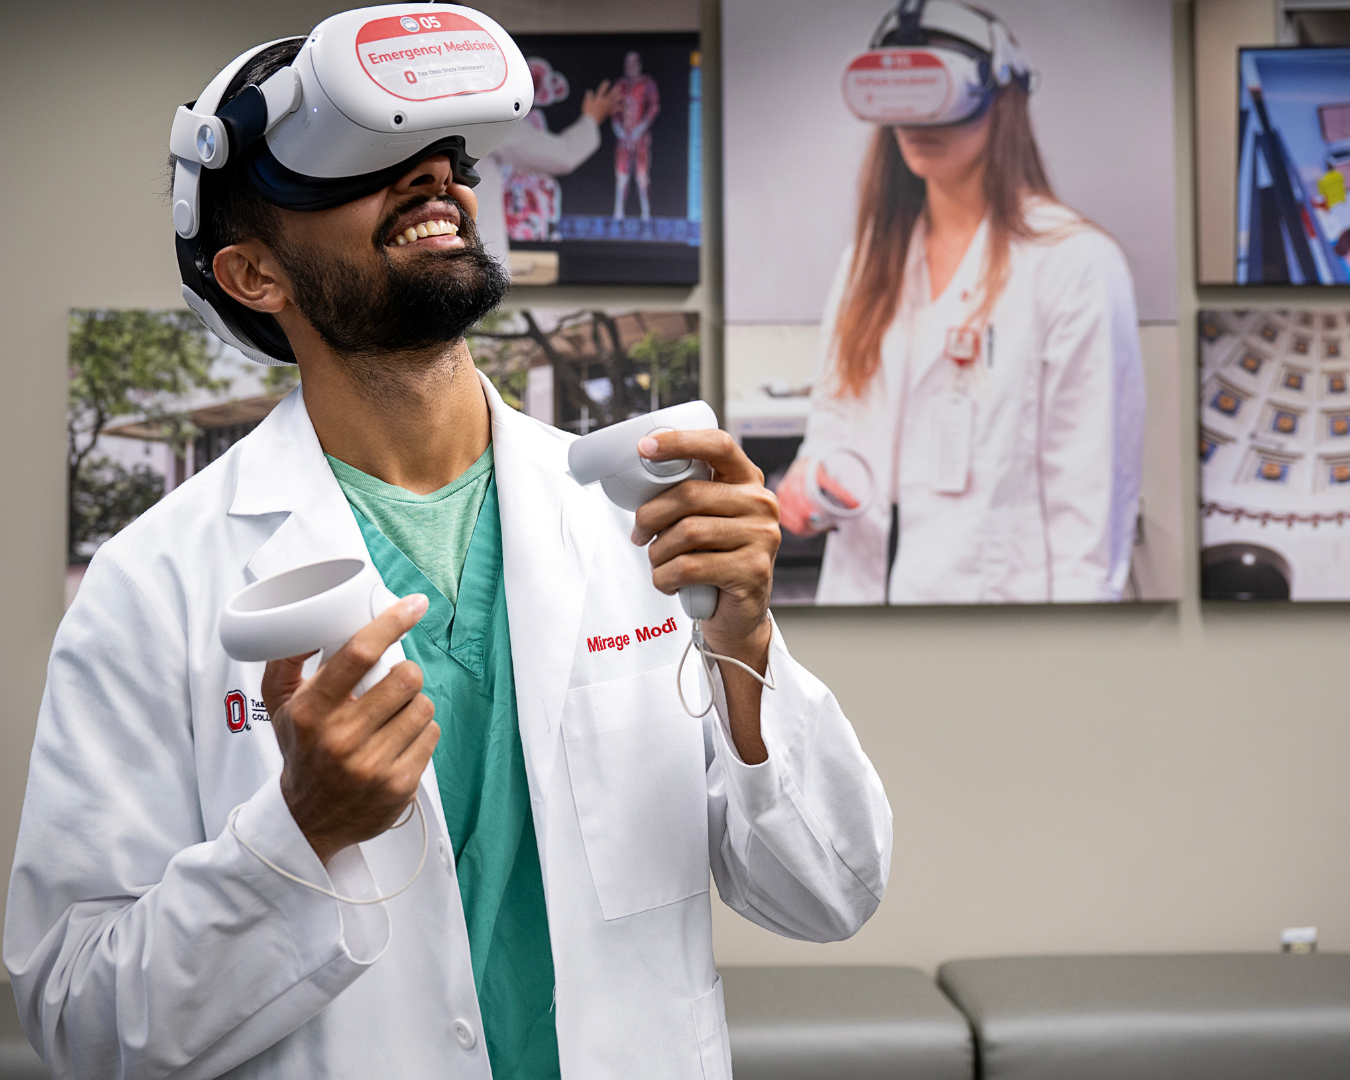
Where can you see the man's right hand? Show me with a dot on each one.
(352, 764)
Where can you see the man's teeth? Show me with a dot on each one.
(427, 228)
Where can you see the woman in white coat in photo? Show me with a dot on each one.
(980, 353)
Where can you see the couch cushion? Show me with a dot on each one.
(1225, 1017)
(859, 1023)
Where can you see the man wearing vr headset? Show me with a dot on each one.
(207, 873)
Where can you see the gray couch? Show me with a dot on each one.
(859, 1023)
(1225, 1017)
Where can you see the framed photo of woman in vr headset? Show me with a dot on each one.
(958, 368)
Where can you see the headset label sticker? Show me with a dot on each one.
(430, 56)
(892, 86)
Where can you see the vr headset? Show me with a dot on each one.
(908, 78)
(370, 93)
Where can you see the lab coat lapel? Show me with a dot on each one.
(547, 541)
(282, 470)
(956, 304)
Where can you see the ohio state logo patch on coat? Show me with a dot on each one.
(241, 714)
(236, 711)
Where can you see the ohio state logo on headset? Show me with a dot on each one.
(236, 711)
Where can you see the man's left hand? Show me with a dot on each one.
(721, 532)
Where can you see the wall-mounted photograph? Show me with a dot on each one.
(1293, 218)
(602, 183)
(951, 334)
(585, 368)
(1272, 90)
(154, 397)
(1275, 455)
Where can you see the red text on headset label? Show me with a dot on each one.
(430, 56)
(895, 85)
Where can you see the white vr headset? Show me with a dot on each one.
(906, 79)
(369, 94)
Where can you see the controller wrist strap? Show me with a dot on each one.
(417, 802)
(708, 656)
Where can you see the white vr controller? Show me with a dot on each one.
(317, 606)
(611, 457)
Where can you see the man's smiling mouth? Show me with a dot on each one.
(435, 223)
(435, 227)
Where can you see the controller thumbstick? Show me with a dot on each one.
(664, 468)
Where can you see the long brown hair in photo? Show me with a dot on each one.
(890, 201)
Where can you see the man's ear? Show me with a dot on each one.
(249, 273)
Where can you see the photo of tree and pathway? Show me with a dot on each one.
(154, 397)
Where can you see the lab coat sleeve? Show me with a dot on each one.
(137, 945)
(800, 843)
(1092, 420)
(557, 153)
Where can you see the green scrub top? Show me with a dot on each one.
(464, 652)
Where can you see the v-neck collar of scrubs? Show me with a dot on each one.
(457, 632)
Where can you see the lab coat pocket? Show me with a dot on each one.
(710, 1026)
(637, 768)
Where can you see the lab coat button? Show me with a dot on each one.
(444, 850)
(464, 1034)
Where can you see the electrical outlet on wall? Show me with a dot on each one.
(1299, 939)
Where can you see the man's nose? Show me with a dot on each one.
(429, 176)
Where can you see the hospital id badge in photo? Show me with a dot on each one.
(953, 417)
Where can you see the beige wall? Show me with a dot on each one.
(1221, 26)
(1157, 777)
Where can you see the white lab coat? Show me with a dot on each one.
(1056, 454)
(144, 941)
(534, 149)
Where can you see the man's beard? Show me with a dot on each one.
(414, 309)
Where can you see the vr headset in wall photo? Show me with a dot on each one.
(933, 64)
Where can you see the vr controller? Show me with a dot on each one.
(611, 457)
(317, 606)
(838, 483)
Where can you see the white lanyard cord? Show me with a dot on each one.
(707, 655)
(417, 802)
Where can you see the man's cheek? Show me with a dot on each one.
(467, 200)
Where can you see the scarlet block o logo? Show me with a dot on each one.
(236, 711)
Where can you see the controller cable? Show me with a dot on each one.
(417, 802)
(708, 656)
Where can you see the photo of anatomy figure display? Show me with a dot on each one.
(603, 181)
(969, 424)
(1275, 455)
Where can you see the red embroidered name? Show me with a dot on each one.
(619, 641)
